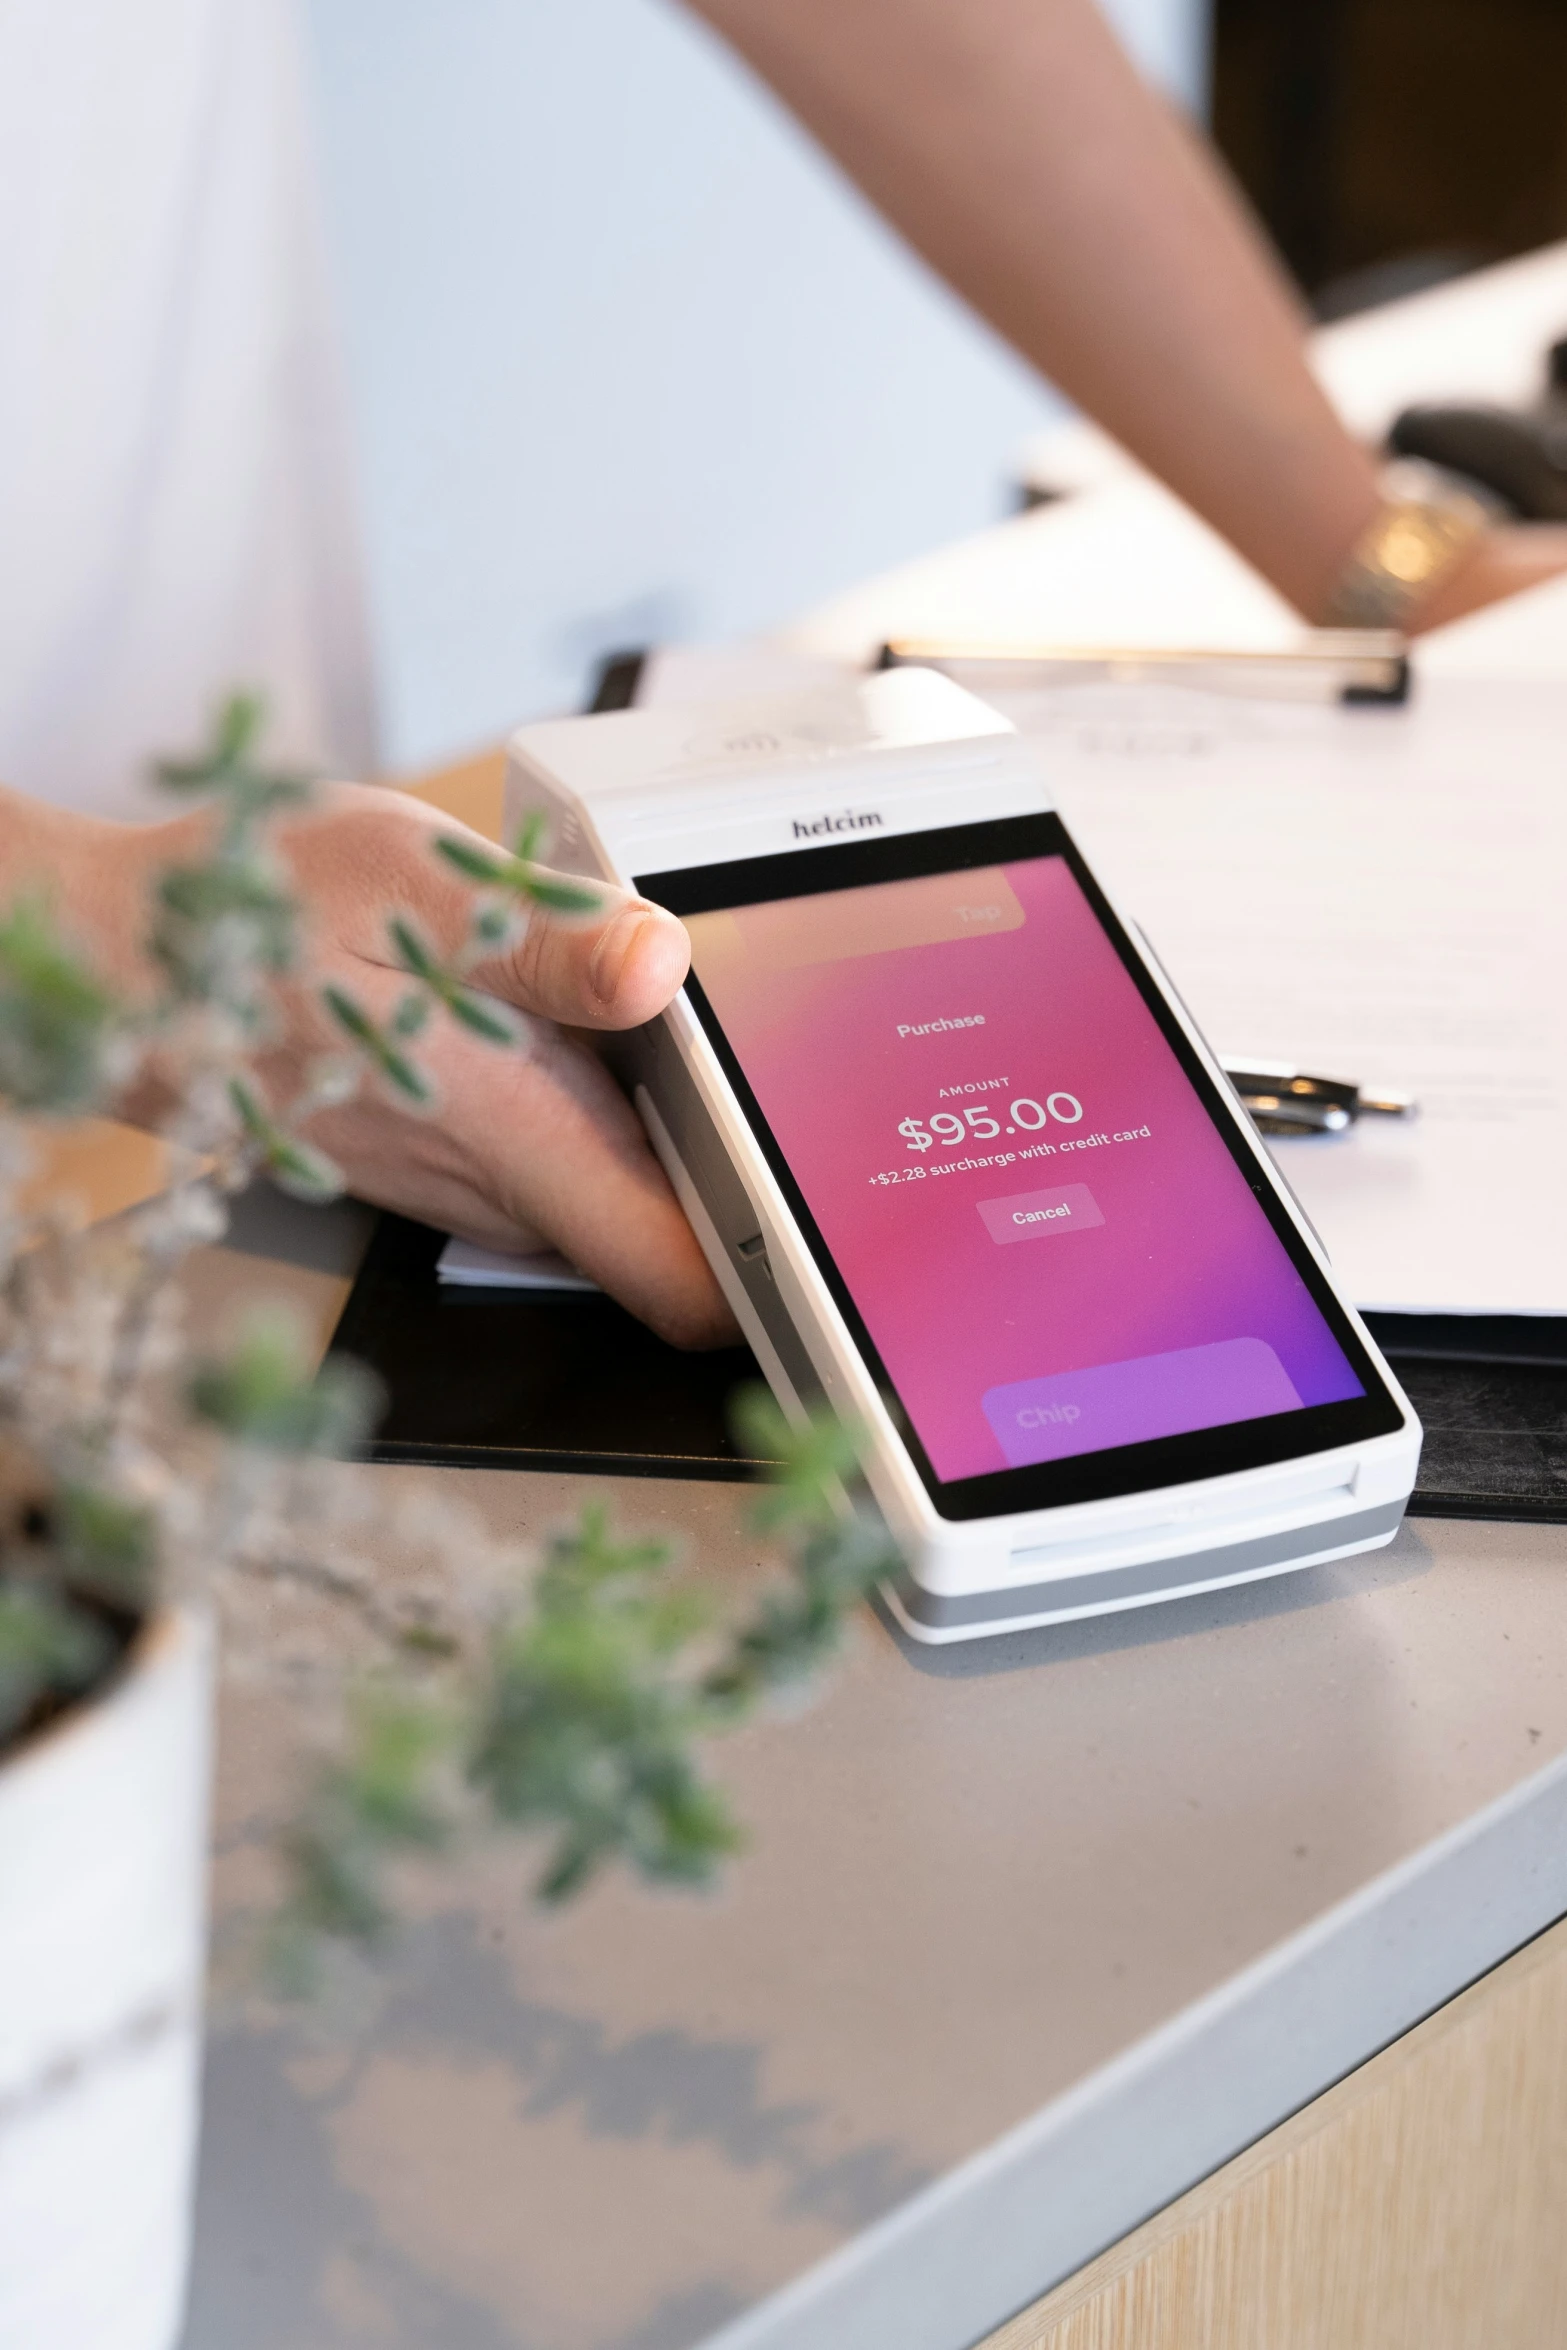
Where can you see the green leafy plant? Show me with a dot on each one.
(586, 1713)
(578, 1706)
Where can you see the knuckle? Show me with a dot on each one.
(695, 1322)
(529, 958)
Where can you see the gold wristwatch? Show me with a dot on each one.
(1393, 566)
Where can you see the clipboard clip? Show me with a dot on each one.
(1347, 665)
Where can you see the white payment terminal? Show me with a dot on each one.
(962, 1164)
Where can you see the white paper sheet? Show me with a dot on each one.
(1376, 894)
(469, 1267)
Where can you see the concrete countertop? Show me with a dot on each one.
(1032, 1934)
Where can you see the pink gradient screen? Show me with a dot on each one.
(1048, 1240)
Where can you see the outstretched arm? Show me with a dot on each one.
(1019, 151)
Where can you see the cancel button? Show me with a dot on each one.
(1033, 1215)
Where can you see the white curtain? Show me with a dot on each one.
(176, 508)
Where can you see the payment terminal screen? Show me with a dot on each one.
(1046, 1236)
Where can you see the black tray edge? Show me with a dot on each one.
(710, 1469)
(1500, 1509)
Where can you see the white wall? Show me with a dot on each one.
(628, 358)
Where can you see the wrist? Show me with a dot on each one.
(97, 876)
(1405, 559)
(1505, 560)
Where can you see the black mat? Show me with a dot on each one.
(495, 1379)
(502, 1379)
(1492, 1393)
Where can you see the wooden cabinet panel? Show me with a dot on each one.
(1421, 2204)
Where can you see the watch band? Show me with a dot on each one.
(1413, 543)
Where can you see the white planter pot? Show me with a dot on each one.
(103, 1833)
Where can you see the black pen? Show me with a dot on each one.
(1285, 1100)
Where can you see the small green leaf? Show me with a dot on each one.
(252, 1115)
(520, 876)
(106, 1543)
(532, 834)
(414, 955)
(379, 1049)
(304, 1172)
(473, 862)
(481, 1014)
(396, 1740)
(428, 1640)
(219, 924)
(560, 897)
(402, 1074)
(492, 925)
(51, 1650)
(295, 1166)
(238, 725)
(225, 770)
(211, 893)
(350, 1016)
(411, 1015)
(590, 1727)
(265, 1393)
(757, 1424)
(379, 1800)
(486, 1018)
(56, 1021)
(812, 1464)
